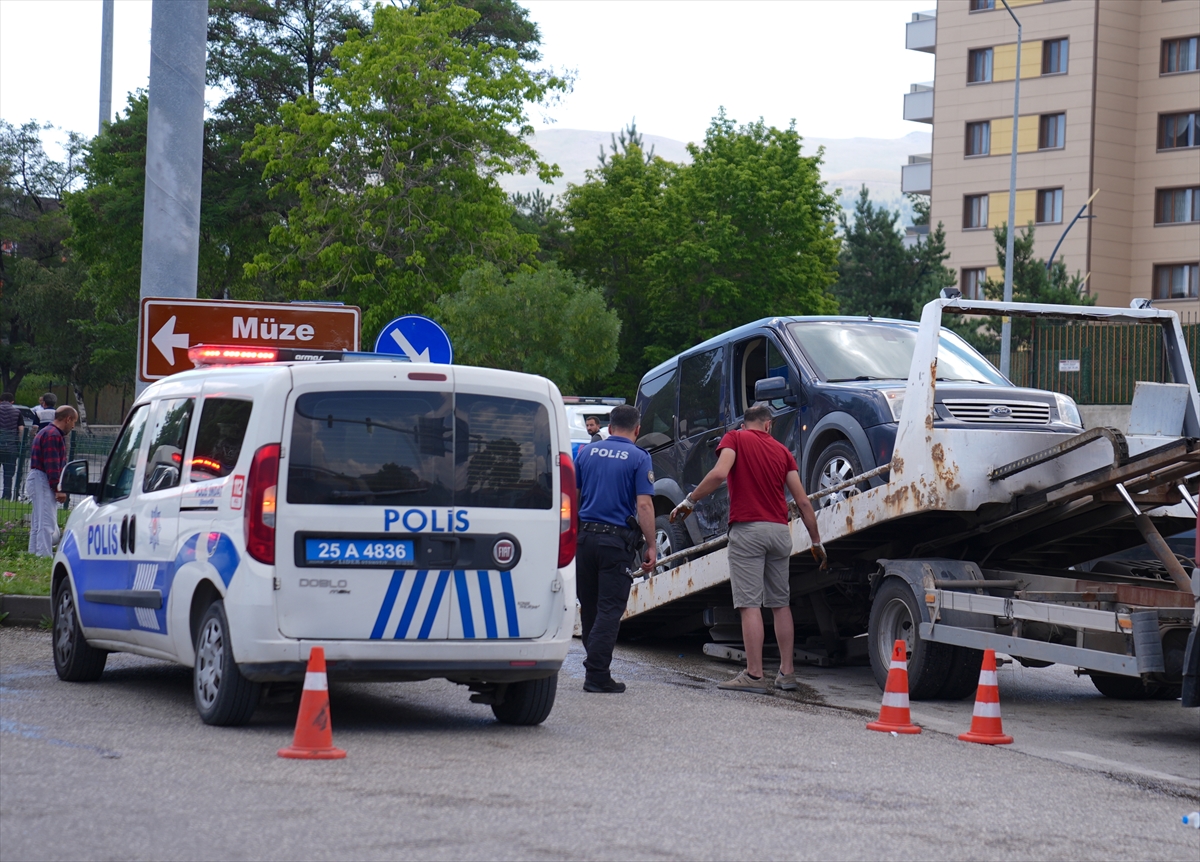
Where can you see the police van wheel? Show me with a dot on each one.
(528, 702)
(74, 659)
(223, 696)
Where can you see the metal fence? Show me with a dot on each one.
(92, 444)
(1095, 362)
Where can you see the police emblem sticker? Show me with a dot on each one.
(650, 476)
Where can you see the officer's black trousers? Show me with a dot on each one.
(602, 581)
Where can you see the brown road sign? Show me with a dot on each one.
(170, 326)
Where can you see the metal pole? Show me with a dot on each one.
(1078, 216)
(1006, 324)
(106, 57)
(174, 151)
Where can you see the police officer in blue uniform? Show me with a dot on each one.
(616, 490)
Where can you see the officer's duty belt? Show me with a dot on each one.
(593, 527)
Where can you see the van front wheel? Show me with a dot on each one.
(528, 702)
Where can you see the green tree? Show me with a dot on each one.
(544, 322)
(536, 214)
(877, 275)
(615, 226)
(748, 232)
(393, 168)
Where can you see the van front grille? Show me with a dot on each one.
(999, 412)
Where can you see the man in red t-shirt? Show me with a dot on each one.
(758, 468)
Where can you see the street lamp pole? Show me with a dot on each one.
(1006, 324)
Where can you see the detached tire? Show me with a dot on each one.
(528, 702)
(837, 462)
(74, 659)
(223, 696)
(895, 616)
(669, 538)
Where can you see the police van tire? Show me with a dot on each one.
(74, 659)
(528, 702)
(895, 616)
(223, 696)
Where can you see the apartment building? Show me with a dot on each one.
(1110, 101)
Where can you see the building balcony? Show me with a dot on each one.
(914, 235)
(918, 103)
(917, 176)
(920, 34)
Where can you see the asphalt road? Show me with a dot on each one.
(674, 768)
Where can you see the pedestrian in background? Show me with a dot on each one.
(758, 468)
(45, 411)
(592, 423)
(47, 457)
(616, 513)
(11, 427)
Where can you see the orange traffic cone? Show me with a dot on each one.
(314, 732)
(985, 721)
(893, 715)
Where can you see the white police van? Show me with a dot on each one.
(417, 521)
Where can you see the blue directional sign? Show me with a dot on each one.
(418, 338)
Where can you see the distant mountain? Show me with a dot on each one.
(848, 164)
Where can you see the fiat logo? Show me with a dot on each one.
(504, 551)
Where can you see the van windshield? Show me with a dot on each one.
(375, 448)
(845, 350)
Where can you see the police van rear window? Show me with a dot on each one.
(419, 449)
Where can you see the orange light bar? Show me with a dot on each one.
(205, 354)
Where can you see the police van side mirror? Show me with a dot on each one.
(773, 388)
(75, 479)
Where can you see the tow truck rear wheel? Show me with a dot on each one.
(223, 696)
(1122, 687)
(895, 616)
(527, 702)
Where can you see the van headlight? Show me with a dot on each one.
(895, 400)
(1067, 411)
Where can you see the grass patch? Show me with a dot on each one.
(31, 574)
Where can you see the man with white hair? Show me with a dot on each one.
(47, 458)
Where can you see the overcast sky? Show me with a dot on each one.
(838, 66)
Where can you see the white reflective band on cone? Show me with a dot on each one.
(895, 698)
(315, 681)
(987, 677)
(987, 710)
(898, 665)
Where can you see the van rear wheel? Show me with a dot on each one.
(527, 702)
(223, 696)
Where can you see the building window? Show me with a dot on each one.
(975, 211)
(979, 66)
(1178, 130)
(982, 5)
(1049, 206)
(979, 138)
(1177, 205)
(972, 283)
(1054, 57)
(1179, 55)
(1177, 281)
(1052, 131)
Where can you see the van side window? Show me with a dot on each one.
(164, 466)
(122, 463)
(503, 457)
(657, 400)
(700, 392)
(753, 361)
(219, 437)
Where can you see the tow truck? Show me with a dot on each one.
(971, 539)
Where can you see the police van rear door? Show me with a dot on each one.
(411, 508)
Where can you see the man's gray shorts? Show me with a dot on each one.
(758, 564)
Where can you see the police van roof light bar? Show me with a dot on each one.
(221, 354)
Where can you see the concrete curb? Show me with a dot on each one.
(24, 610)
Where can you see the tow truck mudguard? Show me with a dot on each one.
(915, 572)
(1191, 671)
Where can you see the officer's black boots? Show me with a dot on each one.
(607, 686)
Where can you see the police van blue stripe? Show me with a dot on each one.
(389, 601)
(464, 603)
(489, 612)
(410, 607)
(435, 602)
(510, 603)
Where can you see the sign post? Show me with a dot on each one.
(168, 327)
(418, 338)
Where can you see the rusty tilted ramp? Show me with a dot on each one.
(1003, 498)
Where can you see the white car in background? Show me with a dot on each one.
(579, 408)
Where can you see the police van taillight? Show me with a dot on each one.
(568, 525)
(261, 488)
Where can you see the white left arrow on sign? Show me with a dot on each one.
(166, 340)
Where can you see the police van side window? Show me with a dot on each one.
(168, 439)
(371, 448)
(657, 403)
(219, 437)
(122, 462)
(503, 457)
(700, 392)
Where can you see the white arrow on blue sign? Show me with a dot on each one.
(418, 338)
